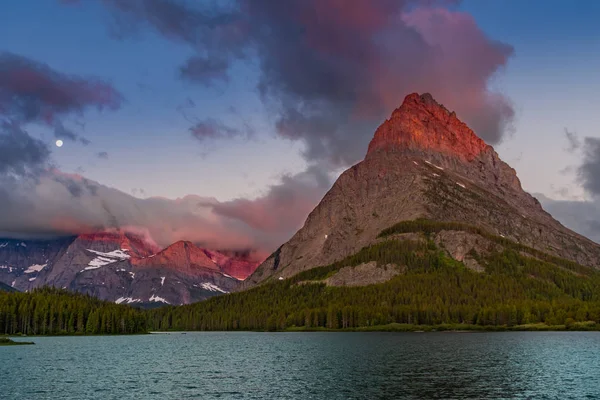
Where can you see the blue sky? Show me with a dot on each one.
(551, 80)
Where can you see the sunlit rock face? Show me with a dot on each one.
(423, 162)
(421, 123)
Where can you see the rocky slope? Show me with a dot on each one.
(423, 162)
(121, 267)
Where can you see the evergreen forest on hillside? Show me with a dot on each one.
(521, 288)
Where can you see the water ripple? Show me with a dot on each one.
(235, 365)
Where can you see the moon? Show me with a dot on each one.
(59, 143)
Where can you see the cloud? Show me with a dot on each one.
(582, 216)
(205, 70)
(103, 155)
(574, 142)
(64, 204)
(331, 71)
(589, 171)
(284, 206)
(213, 129)
(579, 215)
(20, 154)
(33, 92)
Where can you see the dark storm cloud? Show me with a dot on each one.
(20, 154)
(205, 70)
(589, 171)
(32, 92)
(581, 216)
(331, 71)
(213, 129)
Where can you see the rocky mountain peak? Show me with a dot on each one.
(421, 123)
(136, 245)
(423, 163)
(180, 255)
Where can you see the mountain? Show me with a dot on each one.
(5, 288)
(424, 163)
(121, 267)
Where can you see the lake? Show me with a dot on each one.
(243, 365)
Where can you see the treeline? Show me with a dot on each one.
(519, 286)
(514, 290)
(50, 311)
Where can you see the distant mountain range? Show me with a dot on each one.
(122, 267)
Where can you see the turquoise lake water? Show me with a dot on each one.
(240, 365)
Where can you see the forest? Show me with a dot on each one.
(519, 288)
(50, 311)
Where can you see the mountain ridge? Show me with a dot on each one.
(122, 267)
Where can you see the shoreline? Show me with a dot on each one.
(394, 327)
(6, 341)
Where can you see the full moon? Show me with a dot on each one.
(59, 143)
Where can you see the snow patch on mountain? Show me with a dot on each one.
(211, 287)
(127, 300)
(157, 299)
(232, 277)
(34, 268)
(100, 262)
(103, 258)
(119, 254)
(438, 167)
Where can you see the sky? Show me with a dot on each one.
(224, 122)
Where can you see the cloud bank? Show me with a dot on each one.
(58, 204)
